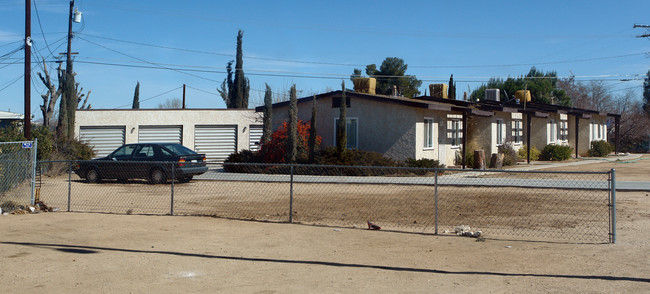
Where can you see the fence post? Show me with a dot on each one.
(291, 196)
(33, 183)
(69, 182)
(171, 210)
(435, 187)
(613, 207)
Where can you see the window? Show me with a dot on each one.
(455, 133)
(428, 133)
(593, 131)
(145, 151)
(517, 131)
(500, 132)
(552, 132)
(124, 152)
(600, 131)
(351, 130)
(564, 131)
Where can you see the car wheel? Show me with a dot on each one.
(157, 176)
(92, 176)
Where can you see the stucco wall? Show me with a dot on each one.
(131, 119)
(391, 129)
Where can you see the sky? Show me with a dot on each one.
(315, 45)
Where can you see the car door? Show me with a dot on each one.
(117, 162)
(142, 161)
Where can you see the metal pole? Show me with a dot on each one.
(183, 96)
(291, 196)
(613, 206)
(69, 182)
(172, 200)
(34, 151)
(28, 71)
(436, 199)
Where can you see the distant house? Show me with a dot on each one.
(438, 128)
(6, 118)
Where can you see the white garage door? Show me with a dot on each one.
(255, 135)
(217, 142)
(103, 139)
(158, 134)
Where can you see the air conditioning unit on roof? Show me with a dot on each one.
(492, 94)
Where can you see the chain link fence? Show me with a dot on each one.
(17, 161)
(544, 206)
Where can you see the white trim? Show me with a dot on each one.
(500, 132)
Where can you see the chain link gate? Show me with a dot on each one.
(17, 174)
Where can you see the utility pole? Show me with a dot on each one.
(28, 71)
(647, 27)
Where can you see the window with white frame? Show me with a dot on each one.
(428, 133)
(351, 131)
(593, 131)
(564, 130)
(500, 132)
(455, 132)
(600, 131)
(517, 131)
(552, 132)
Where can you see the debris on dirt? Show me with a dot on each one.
(337, 230)
(372, 226)
(480, 239)
(508, 246)
(38, 207)
(464, 230)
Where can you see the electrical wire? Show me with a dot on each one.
(41, 27)
(152, 97)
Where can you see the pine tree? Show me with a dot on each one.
(136, 97)
(341, 132)
(268, 115)
(292, 133)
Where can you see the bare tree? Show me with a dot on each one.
(174, 103)
(53, 93)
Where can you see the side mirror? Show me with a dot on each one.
(114, 159)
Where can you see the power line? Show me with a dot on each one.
(361, 65)
(224, 54)
(152, 97)
(41, 27)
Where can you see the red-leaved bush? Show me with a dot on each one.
(274, 151)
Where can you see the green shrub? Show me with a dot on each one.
(534, 153)
(556, 152)
(354, 157)
(73, 150)
(469, 159)
(424, 163)
(509, 154)
(600, 149)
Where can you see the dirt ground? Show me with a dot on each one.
(109, 253)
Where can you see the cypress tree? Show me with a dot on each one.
(268, 115)
(241, 85)
(136, 97)
(451, 92)
(292, 132)
(341, 132)
(312, 131)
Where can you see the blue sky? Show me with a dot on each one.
(316, 44)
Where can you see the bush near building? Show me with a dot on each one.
(556, 152)
(600, 149)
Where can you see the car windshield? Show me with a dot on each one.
(178, 149)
